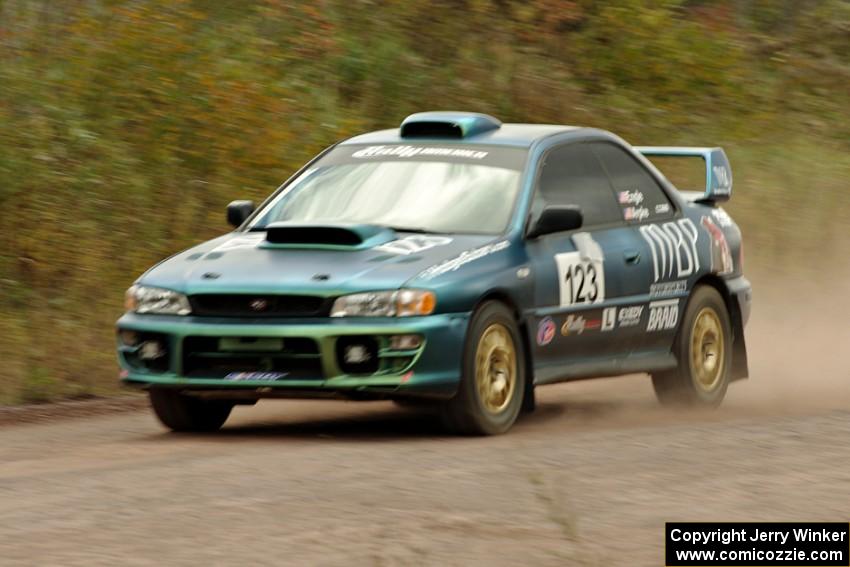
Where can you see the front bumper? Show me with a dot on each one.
(431, 370)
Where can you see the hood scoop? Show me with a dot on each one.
(297, 235)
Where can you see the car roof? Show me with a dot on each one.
(516, 135)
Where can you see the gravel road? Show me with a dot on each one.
(589, 479)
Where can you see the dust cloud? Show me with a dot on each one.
(798, 342)
(798, 339)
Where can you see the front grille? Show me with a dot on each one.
(218, 357)
(249, 305)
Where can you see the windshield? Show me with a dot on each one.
(416, 188)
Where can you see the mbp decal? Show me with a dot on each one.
(413, 244)
(545, 331)
(721, 256)
(411, 151)
(577, 324)
(464, 258)
(674, 248)
(581, 275)
(629, 316)
(663, 315)
(667, 288)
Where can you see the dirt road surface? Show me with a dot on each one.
(589, 479)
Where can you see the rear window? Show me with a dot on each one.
(638, 193)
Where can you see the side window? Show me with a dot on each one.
(638, 193)
(571, 175)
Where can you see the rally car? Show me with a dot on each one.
(455, 262)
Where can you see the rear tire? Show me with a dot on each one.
(180, 412)
(703, 347)
(492, 383)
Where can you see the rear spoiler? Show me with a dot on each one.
(718, 173)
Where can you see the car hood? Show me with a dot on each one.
(243, 262)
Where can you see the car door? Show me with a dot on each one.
(582, 278)
(665, 240)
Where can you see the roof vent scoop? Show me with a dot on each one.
(447, 124)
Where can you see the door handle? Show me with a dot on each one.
(631, 256)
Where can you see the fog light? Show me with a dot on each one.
(405, 342)
(357, 354)
(151, 350)
(129, 338)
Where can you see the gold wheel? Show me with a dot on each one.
(495, 368)
(707, 350)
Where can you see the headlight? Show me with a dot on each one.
(402, 303)
(143, 299)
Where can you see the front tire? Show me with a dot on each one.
(703, 347)
(492, 383)
(180, 412)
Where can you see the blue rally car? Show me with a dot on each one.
(455, 261)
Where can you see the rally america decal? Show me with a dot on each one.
(578, 324)
(581, 274)
(604, 320)
(463, 258)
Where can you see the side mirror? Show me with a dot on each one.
(238, 211)
(556, 218)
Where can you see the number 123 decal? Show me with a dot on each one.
(581, 281)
